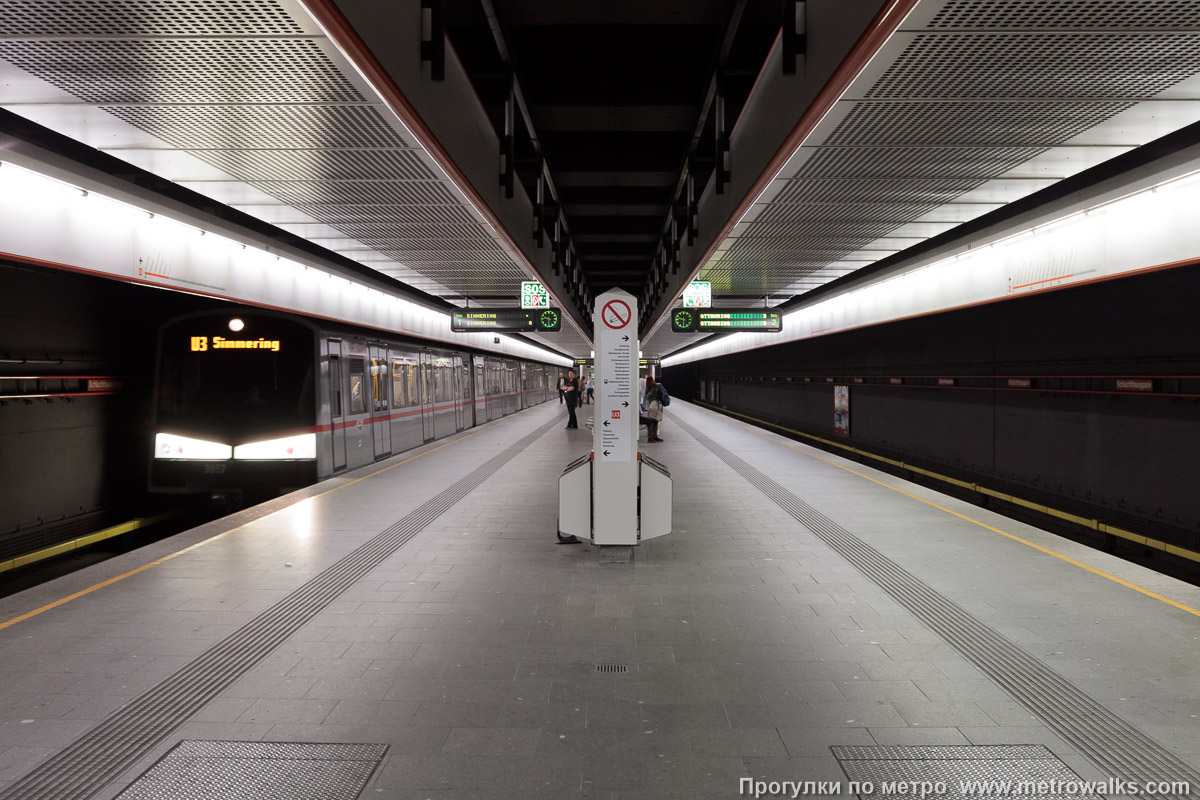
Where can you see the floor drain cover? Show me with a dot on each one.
(200, 770)
(958, 766)
(612, 668)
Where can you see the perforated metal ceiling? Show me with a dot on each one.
(253, 90)
(971, 104)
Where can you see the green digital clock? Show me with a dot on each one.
(683, 320)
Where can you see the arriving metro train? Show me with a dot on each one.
(256, 401)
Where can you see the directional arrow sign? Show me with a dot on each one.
(614, 441)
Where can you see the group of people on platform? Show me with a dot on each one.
(652, 395)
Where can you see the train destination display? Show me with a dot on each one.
(711, 320)
(506, 320)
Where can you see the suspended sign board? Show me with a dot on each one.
(697, 294)
(506, 320)
(712, 320)
(642, 362)
(534, 295)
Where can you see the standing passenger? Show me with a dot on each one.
(652, 408)
(591, 388)
(560, 388)
(571, 388)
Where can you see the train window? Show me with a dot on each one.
(379, 387)
(414, 390)
(358, 403)
(335, 387)
(399, 378)
(442, 381)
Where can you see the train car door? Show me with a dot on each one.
(381, 405)
(427, 398)
(480, 391)
(462, 393)
(337, 405)
(513, 388)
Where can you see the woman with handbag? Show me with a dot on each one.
(652, 406)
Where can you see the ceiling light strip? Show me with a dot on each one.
(101, 236)
(976, 275)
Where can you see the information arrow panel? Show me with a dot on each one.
(711, 320)
(615, 427)
(506, 320)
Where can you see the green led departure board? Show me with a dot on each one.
(711, 320)
(506, 320)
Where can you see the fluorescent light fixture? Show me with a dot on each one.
(288, 447)
(171, 447)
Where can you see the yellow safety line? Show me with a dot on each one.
(83, 541)
(155, 563)
(1014, 537)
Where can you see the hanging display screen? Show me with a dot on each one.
(711, 320)
(506, 320)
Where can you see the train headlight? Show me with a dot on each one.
(289, 447)
(170, 446)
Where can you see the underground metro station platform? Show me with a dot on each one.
(412, 630)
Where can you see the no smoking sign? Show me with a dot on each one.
(616, 314)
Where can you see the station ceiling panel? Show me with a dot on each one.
(249, 103)
(968, 106)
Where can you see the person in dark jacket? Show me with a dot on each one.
(561, 391)
(571, 388)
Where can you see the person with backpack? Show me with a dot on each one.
(653, 402)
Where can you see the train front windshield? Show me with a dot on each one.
(256, 380)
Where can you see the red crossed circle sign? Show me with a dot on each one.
(616, 314)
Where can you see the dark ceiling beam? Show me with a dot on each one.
(653, 118)
(614, 209)
(539, 13)
(615, 178)
(610, 258)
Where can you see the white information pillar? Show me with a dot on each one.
(615, 425)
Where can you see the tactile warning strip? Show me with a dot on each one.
(1112, 744)
(200, 770)
(85, 766)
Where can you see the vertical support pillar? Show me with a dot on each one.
(508, 156)
(539, 208)
(615, 430)
(722, 172)
(691, 204)
(433, 38)
(794, 38)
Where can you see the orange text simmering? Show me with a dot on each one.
(201, 343)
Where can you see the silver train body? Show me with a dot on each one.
(259, 401)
